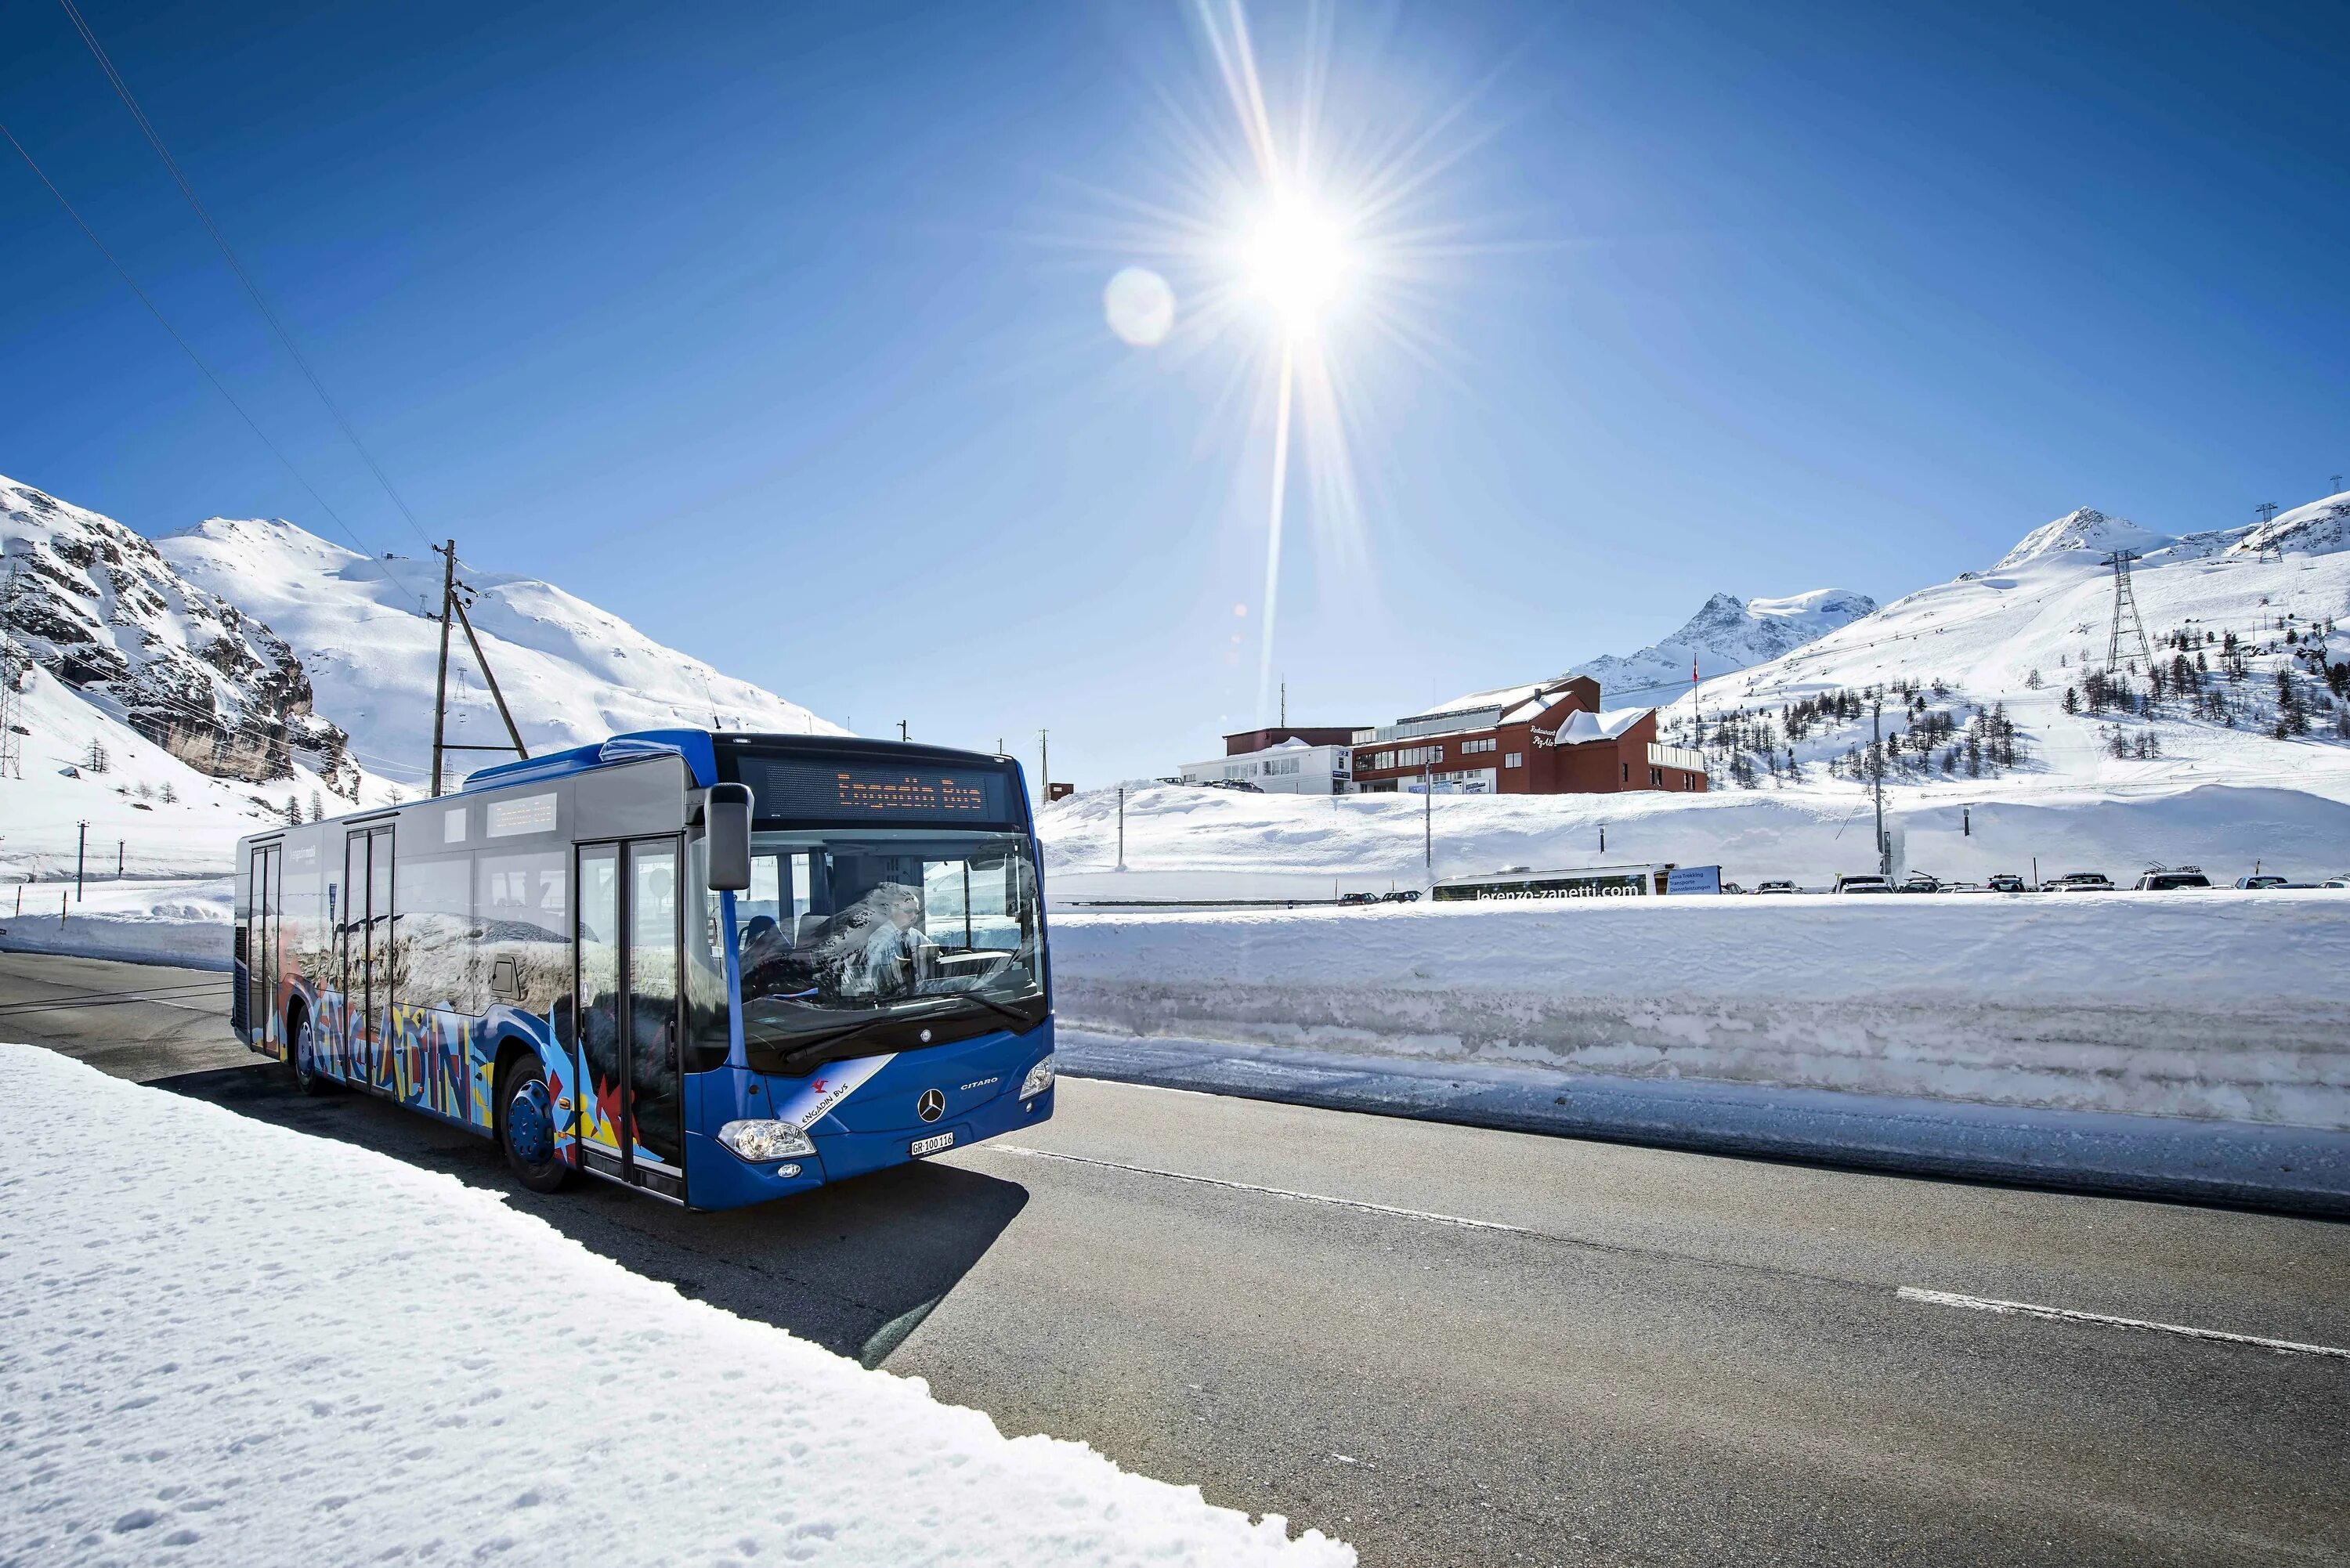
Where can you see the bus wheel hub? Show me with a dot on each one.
(529, 1124)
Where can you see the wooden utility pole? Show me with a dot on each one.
(441, 680)
(489, 676)
(1044, 785)
(453, 603)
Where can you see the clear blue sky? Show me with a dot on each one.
(778, 330)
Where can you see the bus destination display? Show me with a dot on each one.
(796, 791)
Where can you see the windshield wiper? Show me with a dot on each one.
(1014, 1013)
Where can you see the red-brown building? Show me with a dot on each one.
(1550, 738)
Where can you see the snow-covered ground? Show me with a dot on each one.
(174, 920)
(2221, 1005)
(230, 1343)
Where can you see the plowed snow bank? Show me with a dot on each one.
(2218, 1004)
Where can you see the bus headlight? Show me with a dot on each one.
(1039, 1079)
(760, 1142)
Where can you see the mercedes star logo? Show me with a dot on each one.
(931, 1105)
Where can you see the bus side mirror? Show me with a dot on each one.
(727, 822)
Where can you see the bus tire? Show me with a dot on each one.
(301, 1058)
(526, 1125)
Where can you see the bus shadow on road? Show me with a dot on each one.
(855, 1268)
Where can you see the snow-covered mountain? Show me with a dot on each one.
(1729, 634)
(2246, 686)
(2011, 744)
(99, 608)
(185, 685)
(368, 633)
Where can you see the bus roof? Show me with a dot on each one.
(698, 748)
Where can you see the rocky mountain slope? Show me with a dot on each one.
(98, 607)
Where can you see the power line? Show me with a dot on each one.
(189, 349)
(252, 290)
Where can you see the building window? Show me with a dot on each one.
(1281, 765)
(1515, 759)
(1627, 772)
(1656, 778)
(1467, 747)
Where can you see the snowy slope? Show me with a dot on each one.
(368, 633)
(2036, 623)
(1725, 636)
(249, 1344)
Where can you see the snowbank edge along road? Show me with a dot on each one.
(232, 1342)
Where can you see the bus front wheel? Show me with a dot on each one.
(526, 1125)
(303, 1058)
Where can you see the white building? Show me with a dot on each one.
(1287, 767)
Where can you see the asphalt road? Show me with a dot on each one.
(1453, 1345)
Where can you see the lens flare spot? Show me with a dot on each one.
(1140, 306)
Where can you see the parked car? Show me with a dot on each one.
(1964, 888)
(1918, 882)
(1358, 897)
(2164, 879)
(2341, 881)
(2080, 882)
(1403, 895)
(2263, 881)
(2007, 882)
(1774, 886)
(1242, 784)
(1869, 884)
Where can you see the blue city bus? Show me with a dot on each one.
(718, 968)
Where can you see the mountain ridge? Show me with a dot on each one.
(246, 646)
(1726, 634)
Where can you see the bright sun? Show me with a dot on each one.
(1298, 263)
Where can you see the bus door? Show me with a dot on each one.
(367, 930)
(631, 1104)
(264, 947)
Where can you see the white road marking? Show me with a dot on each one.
(1357, 1203)
(2067, 1314)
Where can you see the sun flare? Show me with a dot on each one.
(1295, 261)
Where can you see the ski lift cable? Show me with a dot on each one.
(189, 349)
(252, 290)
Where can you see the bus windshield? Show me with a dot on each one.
(844, 925)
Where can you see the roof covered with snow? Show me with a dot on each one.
(1604, 726)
